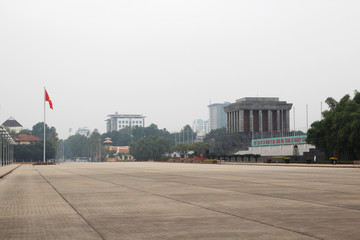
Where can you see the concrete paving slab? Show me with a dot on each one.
(5, 170)
(179, 201)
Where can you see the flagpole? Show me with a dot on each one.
(44, 124)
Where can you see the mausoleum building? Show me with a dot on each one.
(263, 115)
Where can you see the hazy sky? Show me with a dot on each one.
(168, 59)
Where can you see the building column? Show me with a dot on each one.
(227, 122)
(287, 122)
(241, 120)
(236, 120)
(278, 126)
(260, 121)
(251, 121)
(270, 125)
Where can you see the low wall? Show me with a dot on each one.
(283, 150)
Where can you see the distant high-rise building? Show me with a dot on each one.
(217, 115)
(84, 131)
(201, 126)
(116, 121)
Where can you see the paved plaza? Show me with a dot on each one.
(147, 200)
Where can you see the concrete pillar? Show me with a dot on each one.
(241, 120)
(287, 122)
(260, 122)
(270, 127)
(227, 122)
(236, 120)
(278, 127)
(251, 121)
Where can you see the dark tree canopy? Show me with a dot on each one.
(151, 147)
(125, 136)
(34, 151)
(339, 130)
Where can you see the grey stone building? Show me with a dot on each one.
(262, 117)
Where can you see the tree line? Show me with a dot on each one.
(338, 133)
(33, 152)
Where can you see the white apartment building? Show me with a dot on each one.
(116, 121)
(201, 126)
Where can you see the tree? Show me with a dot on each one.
(151, 147)
(77, 146)
(199, 148)
(51, 134)
(119, 138)
(186, 136)
(213, 134)
(34, 152)
(97, 150)
(125, 136)
(181, 148)
(338, 131)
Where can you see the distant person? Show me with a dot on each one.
(314, 158)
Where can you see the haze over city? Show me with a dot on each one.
(168, 60)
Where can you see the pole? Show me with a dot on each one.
(307, 117)
(44, 127)
(320, 110)
(294, 122)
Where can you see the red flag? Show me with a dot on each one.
(47, 98)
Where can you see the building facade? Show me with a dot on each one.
(265, 116)
(116, 121)
(26, 139)
(217, 115)
(13, 125)
(201, 126)
(84, 131)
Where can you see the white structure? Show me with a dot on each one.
(84, 131)
(282, 150)
(116, 121)
(201, 126)
(13, 125)
(217, 115)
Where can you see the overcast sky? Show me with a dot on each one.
(168, 59)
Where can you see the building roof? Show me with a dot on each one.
(121, 149)
(107, 140)
(11, 122)
(26, 138)
(258, 103)
(116, 115)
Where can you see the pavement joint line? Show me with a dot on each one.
(230, 190)
(272, 184)
(1, 176)
(87, 222)
(199, 206)
(294, 165)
